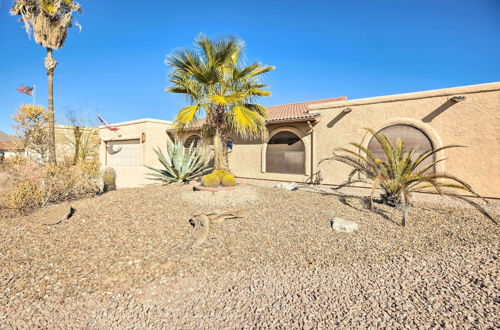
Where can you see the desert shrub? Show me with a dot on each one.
(400, 174)
(25, 196)
(68, 183)
(28, 186)
(181, 164)
(109, 179)
(228, 181)
(210, 180)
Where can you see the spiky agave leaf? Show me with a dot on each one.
(180, 164)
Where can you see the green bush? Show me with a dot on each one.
(228, 181)
(210, 180)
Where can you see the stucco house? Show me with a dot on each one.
(130, 147)
(7, 148)
(302, 134)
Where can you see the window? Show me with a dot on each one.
(123, 153)
(193, 139)
(410, 135)
(285, 154)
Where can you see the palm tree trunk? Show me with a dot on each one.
(220, 162)
(50, 65)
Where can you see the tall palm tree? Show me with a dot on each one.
(49, 21)
(218, 86)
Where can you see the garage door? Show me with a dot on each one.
(123, 153)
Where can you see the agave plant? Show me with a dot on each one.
(401, 173)
(181, 164)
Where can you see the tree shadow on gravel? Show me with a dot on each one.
(364, 201)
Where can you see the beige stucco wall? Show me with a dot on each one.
(473, 122)
(65, 142)
(155, 136)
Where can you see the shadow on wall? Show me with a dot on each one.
(438, 111)
(337, 118)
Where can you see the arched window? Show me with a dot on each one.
(193, 139)
(285, 154)
(410, 135)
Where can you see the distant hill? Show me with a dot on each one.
(4, 136)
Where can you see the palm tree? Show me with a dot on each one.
(49, 20)
(219, 86)
(401, 173)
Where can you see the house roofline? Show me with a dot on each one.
(470, 89)
(138, 121)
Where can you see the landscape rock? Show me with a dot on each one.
(291, 186)
(344, 226)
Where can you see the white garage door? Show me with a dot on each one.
(123, 153)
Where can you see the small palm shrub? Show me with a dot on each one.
(210, 180)
(228, 181)
(399, 175)
(181, 164)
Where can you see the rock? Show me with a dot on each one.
(345, 226)
(287, 186)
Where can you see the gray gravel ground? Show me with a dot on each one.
(281, 266)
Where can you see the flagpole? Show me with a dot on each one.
(34, 93)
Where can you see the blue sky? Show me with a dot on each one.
(115, 65)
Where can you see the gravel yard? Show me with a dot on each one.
(280, 266)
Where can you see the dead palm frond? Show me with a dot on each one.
(47, 20)
(401, 173)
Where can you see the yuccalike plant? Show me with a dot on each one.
(181, 164)
(400, 173)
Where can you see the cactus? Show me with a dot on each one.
(228, 181)
(109, 179)
(221, 173)
(210, 180)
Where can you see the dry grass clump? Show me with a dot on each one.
(27, 186)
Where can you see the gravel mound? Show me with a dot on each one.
(240, 197)
(280, 266)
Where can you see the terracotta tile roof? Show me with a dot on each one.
(296, 111)
(284, 112)
(5, 146)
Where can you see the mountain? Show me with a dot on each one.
(4, 137)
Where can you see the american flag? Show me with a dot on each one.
(105, 123)
(25, 90)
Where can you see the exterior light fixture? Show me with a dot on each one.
(458, 98)
(347, 110)
(143, 137)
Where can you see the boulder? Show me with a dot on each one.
(287, 186)
(344, 226)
